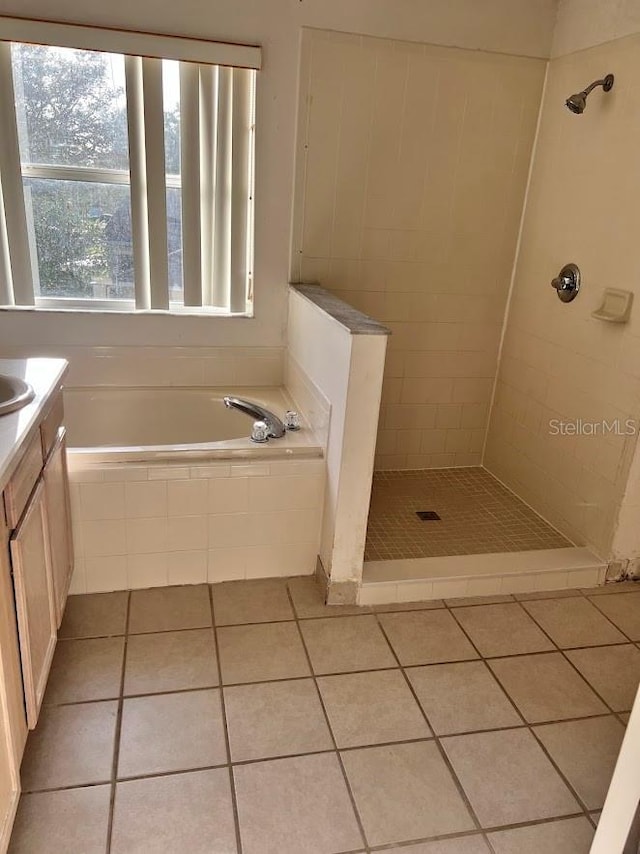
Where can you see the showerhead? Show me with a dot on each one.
(577, 102)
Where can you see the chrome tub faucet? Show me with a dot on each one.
(258, 413)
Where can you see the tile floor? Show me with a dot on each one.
(477, 516)
(248, 718)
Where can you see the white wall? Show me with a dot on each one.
(509, 26)
(346, 369)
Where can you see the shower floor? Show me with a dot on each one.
(477, 516)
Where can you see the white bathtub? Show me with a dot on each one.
(167, 488)
(127, 424)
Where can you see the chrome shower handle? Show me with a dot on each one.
(567, 282)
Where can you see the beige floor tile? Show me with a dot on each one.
(261, 653)
(507, 777)
(290, 806)
(94, 615)
(547, 594)
(372, 708)
(261, 601)
(567, 836)
(462, 601)
(545, 687)
(171, 732)
(586, 753)
(71, 746)
(308, 602)
(502, 630)
(462, 697)
(623, 610)
(73, 821)
(426, 637)
(424, 605)
(613, 671)
(346, 645)
(458, 845)
(170, 661)
(404, 792)
(573, 622)
(182, 812)
(86, 670)
(163, 609)
(275, 719)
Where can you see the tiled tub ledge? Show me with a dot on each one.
(139, 526)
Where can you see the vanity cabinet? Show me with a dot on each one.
(38, 514)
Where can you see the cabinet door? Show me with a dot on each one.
(33, 585)
(13, 725)
(59, 522)
(11, 679)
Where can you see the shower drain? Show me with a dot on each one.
(427, 515)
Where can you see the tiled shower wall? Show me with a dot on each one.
(558, 361)
(412, 166)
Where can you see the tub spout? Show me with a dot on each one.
(258, 413)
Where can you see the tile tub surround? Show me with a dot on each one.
(397, 755)
(157, 366)
(411, 170)
(151, 525)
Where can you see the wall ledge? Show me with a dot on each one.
(354, 321)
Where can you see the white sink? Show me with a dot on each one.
(14, 394)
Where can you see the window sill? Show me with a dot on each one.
(128, 310)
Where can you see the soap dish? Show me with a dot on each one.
(616, 306)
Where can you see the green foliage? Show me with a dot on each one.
(71, 110)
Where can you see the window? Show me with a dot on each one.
(126, 178)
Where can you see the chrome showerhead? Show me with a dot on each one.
(577, 102)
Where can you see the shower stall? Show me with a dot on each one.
(464, 200)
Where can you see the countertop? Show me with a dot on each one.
(17, 428)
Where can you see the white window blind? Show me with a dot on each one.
(126, 179)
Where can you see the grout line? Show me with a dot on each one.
(528, 725)
(118, 730)
(232, 786)
(314, 677)
(533, 728)
(608, 618)
(441, 750)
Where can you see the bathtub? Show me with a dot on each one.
(167, 488)
(129, 424)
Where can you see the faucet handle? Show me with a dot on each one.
(291, 420)
(259, 432)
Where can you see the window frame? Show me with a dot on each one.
(147, 49)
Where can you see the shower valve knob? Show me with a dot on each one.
(567, 282)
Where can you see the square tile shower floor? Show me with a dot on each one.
(248, 718)
(477, 516)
